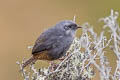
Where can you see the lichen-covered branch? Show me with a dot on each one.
(85, 53)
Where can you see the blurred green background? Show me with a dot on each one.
(22, 21)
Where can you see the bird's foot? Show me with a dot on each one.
(53, 66)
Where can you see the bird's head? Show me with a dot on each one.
(68, 26)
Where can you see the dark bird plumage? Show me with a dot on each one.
(54, 42)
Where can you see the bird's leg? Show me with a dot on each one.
(51, 63)
(53, 66)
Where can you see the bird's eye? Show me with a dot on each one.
(66, 27)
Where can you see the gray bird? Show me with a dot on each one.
(54, 42)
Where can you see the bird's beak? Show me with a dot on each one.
(79, 26)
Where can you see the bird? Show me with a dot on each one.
(53, 43)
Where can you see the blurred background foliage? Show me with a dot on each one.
(22, 21)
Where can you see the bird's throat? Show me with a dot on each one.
(70, 33)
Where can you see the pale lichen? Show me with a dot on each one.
(85, 53)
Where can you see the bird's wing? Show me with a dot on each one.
(44, 42)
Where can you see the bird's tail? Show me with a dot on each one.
(27, 62)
